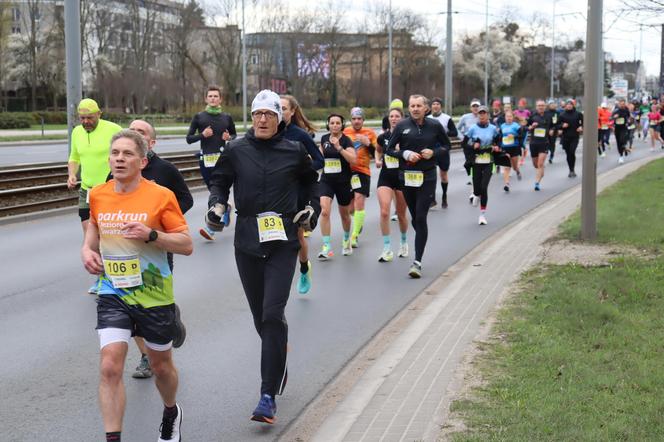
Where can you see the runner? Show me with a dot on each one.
(645, 109)
(443, 157)
(621, 118)
(466, 122)
(298, 128)
(604, 128)
(522, 111)
(497, 116)
(388, 187)
(165, 174)
(213, 128)
(418, 139)
(512, 137)
(540, 127)
(631, 127)
(268, 174)
(90, 142)
(552, 115)
(364, 141)
(653, 121)
(339, 155)
(485, 138)
(394, 104)
(570, 126)
(133, 223)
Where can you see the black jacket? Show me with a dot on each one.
(219, 124)
(575, 120)
(165, 174)
(411, 136)
(626, 118)
(543, 122)
(267, 176)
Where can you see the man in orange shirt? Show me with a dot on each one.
(133, 224)
(604, 128)
(364, 141)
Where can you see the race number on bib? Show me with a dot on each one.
(332, 165)
(508, 140)
(483, 158)
(355, 182)
(391, 162)
(210, 159)
(605, 126)
(123, 271)
(413, 178)
(270, 227)
(539, 132)
(620, 121)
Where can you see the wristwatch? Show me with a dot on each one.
(153, 236)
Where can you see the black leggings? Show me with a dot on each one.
(419, 200)
(481, 179)
(621, 140)
(469, 154)
(552, 146)
(267, 283)
(569, 146)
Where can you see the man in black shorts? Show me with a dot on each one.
(133, 224)
(443, 157)
(540, 127)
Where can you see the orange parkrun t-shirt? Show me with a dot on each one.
(363, 153)
(135, 271)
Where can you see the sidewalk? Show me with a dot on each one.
(399, 387)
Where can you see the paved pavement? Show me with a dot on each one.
(404, 395)
(49, 372)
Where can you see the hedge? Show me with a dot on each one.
(15, 120)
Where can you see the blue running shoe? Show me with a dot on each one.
(266, 410)
(304, 283)
(537, 187)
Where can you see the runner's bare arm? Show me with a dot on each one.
(90, 251)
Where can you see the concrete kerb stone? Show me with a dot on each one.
(349, 407)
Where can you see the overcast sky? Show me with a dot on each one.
(622, 38)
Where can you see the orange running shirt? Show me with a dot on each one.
(363, 152)
(135, 271)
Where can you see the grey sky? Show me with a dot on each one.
(622, 32)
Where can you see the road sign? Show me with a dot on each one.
(619, 87)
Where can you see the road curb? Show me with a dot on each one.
(400, 383)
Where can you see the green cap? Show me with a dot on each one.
(396, 104)
(88, 106)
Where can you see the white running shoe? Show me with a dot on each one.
(482, 221)
(403, 250)
(346, 248)
(621, 160)
(476, 201)
(325, 253)
(386, 256)
(471, 197)
(169, 431)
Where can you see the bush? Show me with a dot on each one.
(50, 117)
(16, 120)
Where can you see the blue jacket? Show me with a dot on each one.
(296, 133)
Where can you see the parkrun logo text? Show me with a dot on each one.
(120, 216)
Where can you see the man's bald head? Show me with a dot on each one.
(146, 130)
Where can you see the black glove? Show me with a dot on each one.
(214, 218)
(306, 218)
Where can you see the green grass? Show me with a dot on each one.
(578, 353)
(629, 212)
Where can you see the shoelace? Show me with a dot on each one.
(166, 427)
(265, 403)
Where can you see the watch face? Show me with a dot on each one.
(153, 235)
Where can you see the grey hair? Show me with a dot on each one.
(134, 136)
(416, 96)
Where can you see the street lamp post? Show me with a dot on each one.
(553, 46)
(389, 56)
(590, 99)
(244, 71)
(72, 60)
(486, 53)
(449, 97)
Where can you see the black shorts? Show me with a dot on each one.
(365, 184)
(389, 178)
(443, 160)
(83, 204)
(536, 149)
(513, 152)
(338, 188)
(154, 324)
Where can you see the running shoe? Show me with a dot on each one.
(537, 187)
(482, 220)
(433, 204)
(265, 411)
(143, 370)
(353, 242)
(169, 431)
(603, 155)
(304, 283)
(394, 217)
(207, 234)
(443, 204)
(469, 183)
(518, 176)
(403, 250)
(571, 175)
(415, 271)
(652, 149)
(621, 160)
(346, 248)
(180, 329)
(476, 201)
(386, 256)
(550, 160)
(506, 187)
(471, 198)
(325, 253)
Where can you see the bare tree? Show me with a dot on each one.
(5, 29)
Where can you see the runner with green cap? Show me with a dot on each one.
(89, 152)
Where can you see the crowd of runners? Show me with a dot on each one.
(277, 183)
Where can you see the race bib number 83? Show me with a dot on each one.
(271, 227)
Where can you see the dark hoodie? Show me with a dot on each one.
(574, 119)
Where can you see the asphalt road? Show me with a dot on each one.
(48, 375)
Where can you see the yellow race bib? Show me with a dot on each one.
(123, 271)
(355, 182)
(391, 162)
(210, 159)
(332, 165)
(413, 178)
(508, 140)
(270, 227)
(539, 132)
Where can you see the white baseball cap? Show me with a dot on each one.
(267, 100)
(475, 102)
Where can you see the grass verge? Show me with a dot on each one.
(576, 353)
